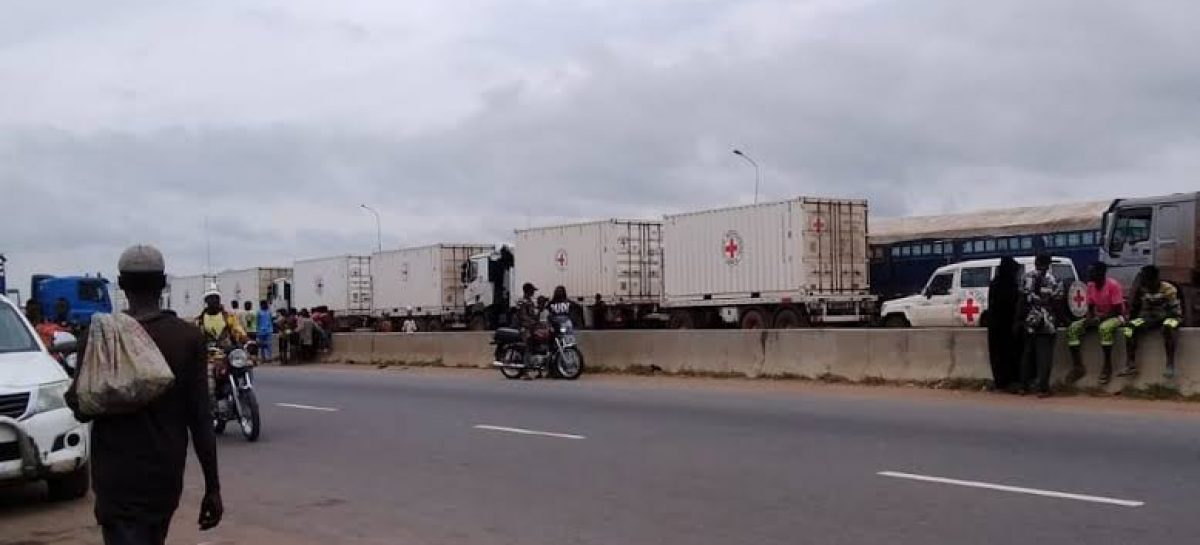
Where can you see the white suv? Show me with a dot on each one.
(956, 295)
(39, 437)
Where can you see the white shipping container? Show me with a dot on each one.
(249, 284)
(341, 283)
(797, 248)
(426, 278)
(185, 294)
(619, 259)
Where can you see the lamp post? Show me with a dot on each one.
(378, 228)
(757, 171)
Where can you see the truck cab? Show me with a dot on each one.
(1158, 231)
(85, 296)
(956, 295)
(488, 279)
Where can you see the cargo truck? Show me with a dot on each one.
(185, 294)
(1162, 231)
(270, 284)
(619, 261)
(426, 282)
(342, 284)
(85, 296)
(783, 264)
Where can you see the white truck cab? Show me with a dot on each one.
(956, 295)
(40, 440)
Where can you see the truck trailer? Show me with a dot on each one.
(185, 294)
(270, 284)
(342, 284)
(426, 283)
(783, 264)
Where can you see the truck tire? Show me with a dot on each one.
(755, 319)
(682, 319)
(896, 320)
(71, 486)
(788, 318)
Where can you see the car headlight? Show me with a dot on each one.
(238, 358)
(50, 397)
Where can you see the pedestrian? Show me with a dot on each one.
(138, 458)
(1155, 306)
(249, 318)
(1005, 338)
(409, 325)
(1039, 292)
(266, 330)
(1105, 313)
(285, 337)
(236, 311)
(599, 313)
(307, 330)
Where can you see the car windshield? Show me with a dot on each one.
(14, 334)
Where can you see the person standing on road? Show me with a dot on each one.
(1155, 306)
(1004, 334)
(249, 318)
(409, 325)
(1106, 313)
(307, 331)
(266, 329)
(1039, 292)
(138, 458)
(599, 313)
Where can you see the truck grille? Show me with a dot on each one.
(14, 405)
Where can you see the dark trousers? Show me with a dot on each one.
(135, 533)
(1038, 361)
(1005, 350)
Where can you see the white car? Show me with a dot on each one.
(956, 295)
(40, 440)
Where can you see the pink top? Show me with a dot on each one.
(1106, 298)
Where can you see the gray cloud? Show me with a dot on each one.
(465, 128)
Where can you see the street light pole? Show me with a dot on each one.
(757, 172)
(378, 228)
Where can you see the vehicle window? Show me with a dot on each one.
(14, 334)
(978, 246)
(1168, 218)
(906, 251)
(976, 277)
(1060, 241)
(91, 290)
(926, 249)
(1132, 226)
(1063, 272)
(989, 245)
(1026, 243)
(895, 251)
(1088, 238)
(1002, 245)
(940, 284)
(1073, 239)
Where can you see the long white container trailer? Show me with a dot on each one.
(782, 264)
(268, 284)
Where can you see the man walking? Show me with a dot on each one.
(1105, 313)
(138, 458)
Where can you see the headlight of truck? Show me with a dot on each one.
(50, 397)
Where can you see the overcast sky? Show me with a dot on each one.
(459, 120)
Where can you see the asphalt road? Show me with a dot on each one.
(391, 456)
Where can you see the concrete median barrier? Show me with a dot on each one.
(905, 355)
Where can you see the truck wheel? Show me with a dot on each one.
(790, 319)
(896, 320)
(754, 319)
(682, 319)
(71, 486)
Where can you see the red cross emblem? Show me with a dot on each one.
(969, 310)
(818, 224)
(561, 258)
(1080, 298)
(731, 247)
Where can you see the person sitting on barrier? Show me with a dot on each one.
(1155, 306)
(1106, 313)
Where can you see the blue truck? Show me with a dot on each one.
(85, 296)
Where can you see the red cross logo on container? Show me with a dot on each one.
(560, 258)
(732, 248)
(818, 224)
(319, 284)
(970, 308)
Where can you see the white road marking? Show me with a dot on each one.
(307, 407)
(528, 432)
(1015, 489)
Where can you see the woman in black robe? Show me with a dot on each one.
(1004, 337)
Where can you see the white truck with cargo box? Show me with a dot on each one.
(773, 265)
(426, 281)
(342, 284)
(185, 294)
(619, 260)
(270, 284)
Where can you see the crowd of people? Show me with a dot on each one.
(301, 334)
(1023, 322)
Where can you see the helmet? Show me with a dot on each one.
(211, 291)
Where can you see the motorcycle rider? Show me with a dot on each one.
(221, 329)
(559, 306)
(527, 309)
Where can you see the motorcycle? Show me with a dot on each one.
(550, 350)
(233, 377)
